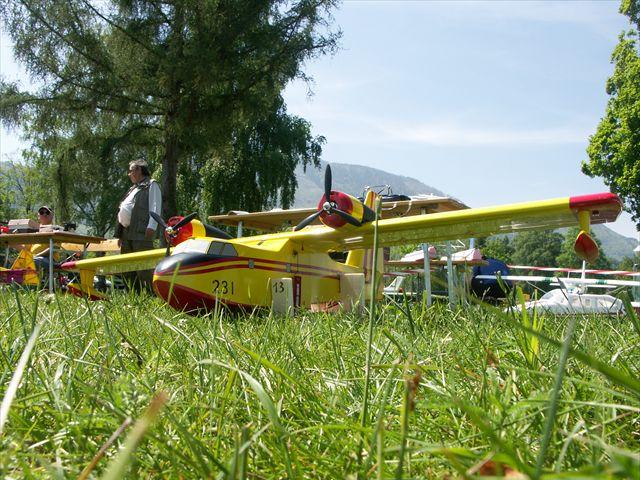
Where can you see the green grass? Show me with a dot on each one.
(272, 397)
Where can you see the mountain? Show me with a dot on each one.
(352, 179)
(616, 246)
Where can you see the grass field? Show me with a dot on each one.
(419, 394)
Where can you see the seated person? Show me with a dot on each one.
(41, 251)
(35, 256)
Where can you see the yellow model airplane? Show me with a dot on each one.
(247, 272)
(22, 272)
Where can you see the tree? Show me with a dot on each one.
(499, 248)
(568, 258)
(181, 84)
(538, 248)
(614, 150)
(628, 263)
(20, 191)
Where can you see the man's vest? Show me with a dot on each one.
(140, 214)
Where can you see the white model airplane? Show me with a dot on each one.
(568, 302)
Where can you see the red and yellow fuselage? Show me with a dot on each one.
(240, 275)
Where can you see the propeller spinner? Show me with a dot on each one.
(335, 208)
(171, 231)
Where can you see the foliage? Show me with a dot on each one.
(568, 258)
(257, 395)
(500, 248)
(539, 248)
(22, 190)
(261, 158)
(628, 263)
(614, 150)
(181, 84)
(631, 8)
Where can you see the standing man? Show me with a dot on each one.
(136, 228)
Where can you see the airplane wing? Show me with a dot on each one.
(107, 246)
(591, 282)
(127, 262)
(474, 222)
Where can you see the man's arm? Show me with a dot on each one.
(155, 205)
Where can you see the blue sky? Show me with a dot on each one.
(490, 102)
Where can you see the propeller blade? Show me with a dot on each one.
(327, 184)
(216, 232)
(158, 219)
(307, 220)
(185, 220)
(350, 219)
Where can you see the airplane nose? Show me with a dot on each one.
(172, 282)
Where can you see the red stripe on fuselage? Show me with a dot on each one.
(191, 269)
(187, 297)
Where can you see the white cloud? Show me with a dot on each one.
(443, 134)
(601, 16)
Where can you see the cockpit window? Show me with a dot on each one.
(222, 249)
(193, 245)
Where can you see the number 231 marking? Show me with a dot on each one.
(223, 287)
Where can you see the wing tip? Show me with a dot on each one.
(604, 207)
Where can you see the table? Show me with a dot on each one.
(52, 238)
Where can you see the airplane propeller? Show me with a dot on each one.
(170, 231)
(328, 207)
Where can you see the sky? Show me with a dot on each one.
(490, 102)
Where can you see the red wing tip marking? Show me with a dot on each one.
(605, 199)
(604, 207)
(68, 265)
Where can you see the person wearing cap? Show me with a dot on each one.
(45, 216)
(40, 251)
(136, 228)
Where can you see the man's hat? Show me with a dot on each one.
(46, 208)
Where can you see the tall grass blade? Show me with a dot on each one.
(364, 414)
(555, 395)
(89, 468)
(630, 312)
(118, 466)
(10, 393)
(614, 375)
(269, 407)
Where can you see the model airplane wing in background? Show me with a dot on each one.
(475, 222)
(121, 263)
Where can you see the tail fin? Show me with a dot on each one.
(364, 258)
(85, 288)
(25, 262)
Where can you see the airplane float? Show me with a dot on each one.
(201, 270)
